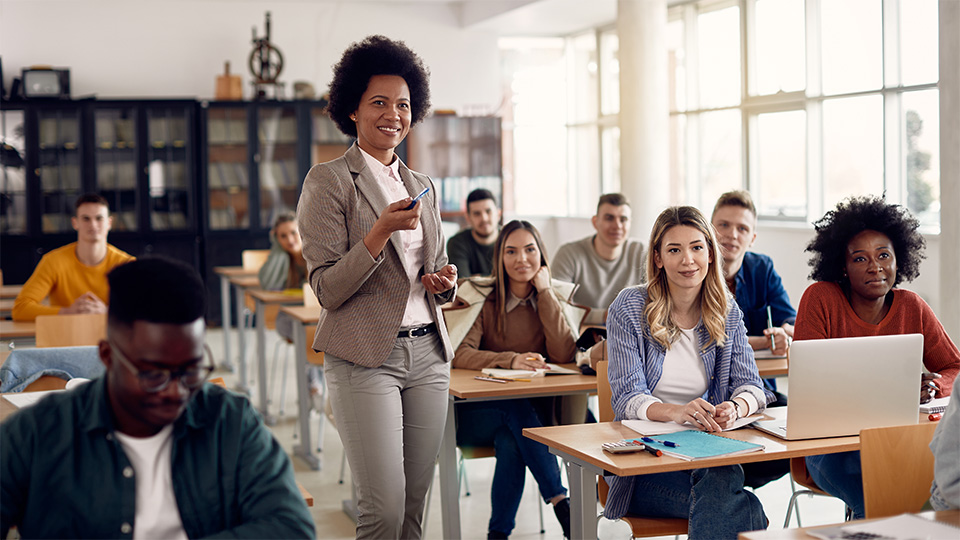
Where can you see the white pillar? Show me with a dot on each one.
(950, 166)
(644, 110)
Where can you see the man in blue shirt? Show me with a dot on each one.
(750, 276)
(756, 285)
(148, 450)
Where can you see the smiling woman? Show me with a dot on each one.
(376, 261)
(679, 352)
(863, 249)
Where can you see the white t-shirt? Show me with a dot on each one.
(684, 378)
(157, 514)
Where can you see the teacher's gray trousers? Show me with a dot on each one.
(390, 419)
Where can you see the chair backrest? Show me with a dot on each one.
(309, 297)
(218, 381)
(897, 467)
(604, 393)
(253, 259)
(71, 330)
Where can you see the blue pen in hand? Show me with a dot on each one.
(671, 444)
(417, 198)
(773, 342)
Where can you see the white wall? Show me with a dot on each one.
(176, 48)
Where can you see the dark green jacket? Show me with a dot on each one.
(62, 471)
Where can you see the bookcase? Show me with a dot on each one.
(255, 157)
(139, 154)
(460, 154)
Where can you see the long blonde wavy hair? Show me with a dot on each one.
(714, 298)
(501, 281)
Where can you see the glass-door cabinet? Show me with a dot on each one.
(115, 163)
(255, 156)
(170, 182)
(60, 166)
(13, 173)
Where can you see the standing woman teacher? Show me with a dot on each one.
(380, 271)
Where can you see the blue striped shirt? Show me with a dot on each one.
(636, 366)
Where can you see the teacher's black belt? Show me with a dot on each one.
(418, 331)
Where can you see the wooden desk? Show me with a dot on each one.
(772, 367)
(23, 331)
(225, 273)
(6, 307)
(950, 517)
(240, 284)
(262, 299)
(579, 446)
(10, 291)
(307, 317)
(463, 387)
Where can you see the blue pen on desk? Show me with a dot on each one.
(773, 343)
(671, 444)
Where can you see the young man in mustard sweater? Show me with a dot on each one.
(74, 276)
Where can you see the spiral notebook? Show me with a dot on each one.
(693, 444)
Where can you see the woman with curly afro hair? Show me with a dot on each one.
(376, 261)
(862, 250)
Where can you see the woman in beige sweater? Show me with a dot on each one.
(520, 325)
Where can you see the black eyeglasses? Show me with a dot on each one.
(155, 380)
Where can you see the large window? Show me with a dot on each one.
(805, 102)
(564, 99)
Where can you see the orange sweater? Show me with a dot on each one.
(825, 313)
(62, 277)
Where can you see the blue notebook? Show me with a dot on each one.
(693, 444)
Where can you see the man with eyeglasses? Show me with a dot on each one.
(148, 450)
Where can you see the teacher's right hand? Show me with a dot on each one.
(394, 217)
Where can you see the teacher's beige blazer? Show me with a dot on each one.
(363, 298)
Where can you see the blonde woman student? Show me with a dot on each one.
(679, 353)
(377, 263)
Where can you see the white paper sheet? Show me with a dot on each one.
(26, 399)
(902, 527)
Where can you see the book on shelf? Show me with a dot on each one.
(693, 444)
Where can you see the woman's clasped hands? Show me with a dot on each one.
(704, 416)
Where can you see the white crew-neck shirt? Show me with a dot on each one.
(684, 378)
(157, 514)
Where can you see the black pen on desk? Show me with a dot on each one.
(491, 379)
(773, 342)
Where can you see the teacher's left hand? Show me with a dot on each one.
(441, 281)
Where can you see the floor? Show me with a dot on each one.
(329, 494)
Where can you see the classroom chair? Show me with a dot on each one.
(905, 450)
(801, 476)
(71, 330)
(640, 527)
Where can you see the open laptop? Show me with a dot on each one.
(839, 386)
